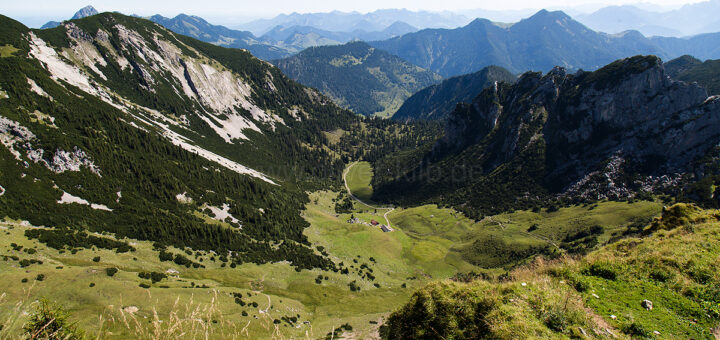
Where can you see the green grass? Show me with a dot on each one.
(429, 244)
(290, 292)
(7, 51)
(359, 178)
(600, 295)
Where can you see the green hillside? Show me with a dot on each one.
(358, 77)
(689, 69)
(600, 296)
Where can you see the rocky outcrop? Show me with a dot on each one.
(627, 116)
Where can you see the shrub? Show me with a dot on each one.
(96, 259)
(111, 271)
(144, 285)
(40, 277)
(601, 269)
(660, 275)
(166, 256)
(50, 321)
(636, 330)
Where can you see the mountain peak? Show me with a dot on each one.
(85, 12)
(544, 15)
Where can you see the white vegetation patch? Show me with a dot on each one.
(223, 214)
(2, 190)
(37, 89)
(183, 198)
(70, 199)
(119, 196)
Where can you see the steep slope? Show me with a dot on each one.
(612, 133)
(357, 76)
(115, 124)
(437, 101)
(545, 40)
(689, 69)
(200, 29)
(661, 286)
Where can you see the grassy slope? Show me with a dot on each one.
(676, 269)
(424, 248)
(358, 180)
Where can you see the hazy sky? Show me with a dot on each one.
(38, 11)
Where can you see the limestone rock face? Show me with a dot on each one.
(629, 110)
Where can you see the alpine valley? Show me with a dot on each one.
(167, 178)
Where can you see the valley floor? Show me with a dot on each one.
(274, 300)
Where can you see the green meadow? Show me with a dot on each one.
(429, 243)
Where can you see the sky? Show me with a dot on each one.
(35, 13)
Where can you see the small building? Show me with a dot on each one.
(385, 228)
(373, 222)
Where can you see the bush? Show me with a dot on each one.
(601, 269)
(636, 330)
(96, 259)
(40, 277)
(50, 321)
(144, 285)
(660, 275)
(111, 271)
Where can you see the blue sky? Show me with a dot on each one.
(35, 13)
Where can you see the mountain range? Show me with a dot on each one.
(200, 29)
(153, 185)
(545, 40)
(690, 19)
(357, 76)
(337, 21)
(297, 38)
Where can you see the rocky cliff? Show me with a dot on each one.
(612, 133)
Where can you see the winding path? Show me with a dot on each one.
(359, 200)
